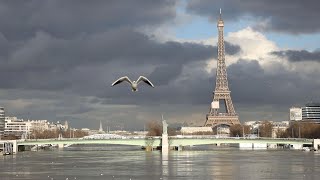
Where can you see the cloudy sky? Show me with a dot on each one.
(59, 58)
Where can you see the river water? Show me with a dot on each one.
(133, 163)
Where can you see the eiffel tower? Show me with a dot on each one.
(222, 92)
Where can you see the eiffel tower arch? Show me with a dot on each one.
(222, 92)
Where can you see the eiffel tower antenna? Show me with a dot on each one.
(222, 92)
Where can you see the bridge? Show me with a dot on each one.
(173, 141)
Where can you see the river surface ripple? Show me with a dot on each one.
(137, 164)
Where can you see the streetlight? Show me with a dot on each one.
(299, 131)
(242, 131)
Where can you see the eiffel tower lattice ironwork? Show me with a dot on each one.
(222, 91)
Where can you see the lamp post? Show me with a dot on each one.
(242, 131)
(299, 132)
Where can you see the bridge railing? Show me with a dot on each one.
(170, 137)
(76, 139)
(218, 137)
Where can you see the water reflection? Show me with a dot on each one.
(164, 165)
(138, 164)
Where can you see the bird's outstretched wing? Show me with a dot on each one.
(120, 80)
(144, 79)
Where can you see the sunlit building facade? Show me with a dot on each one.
(311, 112)
(23, 129)
(295, 114)
(2, 121)
(17, 127)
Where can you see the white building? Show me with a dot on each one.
(279, 127)
(191, 130)
(295, 114)
(2, 121)
(39, 125)
(251, 123)
(311, 112)
(17, 127)
(58, 126)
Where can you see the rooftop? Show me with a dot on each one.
(313, 104)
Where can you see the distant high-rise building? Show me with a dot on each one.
(2, 121)
(311, 112)
(295, 114)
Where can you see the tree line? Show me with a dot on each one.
(155, 129)
(295, 130)
(49, 134)
(301, 130)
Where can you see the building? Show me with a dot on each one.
(279, 127)
(192, 130)
(21, 128)
(2, 121)
(39, 125)
(58, 126)
(295, 114)
(17, 127)
(311, 112)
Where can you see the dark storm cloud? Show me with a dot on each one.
(231, 49)
(61, 44)
(298, 55)
(162, 75)
(21, 19)
(47, 62)
(248, 81)
(293, 16)
(54, 53)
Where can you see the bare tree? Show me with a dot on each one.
(238, 130)
(265, 129)
(9, 137)
(49, 134)
(154, 128)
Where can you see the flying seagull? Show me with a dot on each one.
(134, 84)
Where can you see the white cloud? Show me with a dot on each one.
(254, 45)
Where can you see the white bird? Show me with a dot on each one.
(134, 84)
